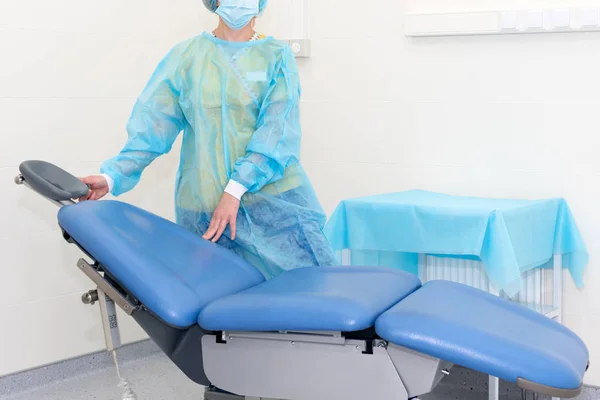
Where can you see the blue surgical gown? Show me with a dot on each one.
(237, 104)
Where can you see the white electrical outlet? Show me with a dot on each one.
(300, 47)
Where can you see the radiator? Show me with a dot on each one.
(537, 290)
(541, 288)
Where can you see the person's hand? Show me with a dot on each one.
(98, 187)
(225, 214)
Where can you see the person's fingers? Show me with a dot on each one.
(212, 228)
(89, 180)
(222, 227)
(94, 182)
(86, 197)
(233, 227)
(210, 233)
(94, 195)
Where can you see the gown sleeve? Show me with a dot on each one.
(154, 124)
(276, 142)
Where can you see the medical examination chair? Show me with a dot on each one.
(328, 333)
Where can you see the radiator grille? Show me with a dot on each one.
(536, 289)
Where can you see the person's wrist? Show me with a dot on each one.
(231, 197)
(109, 181)
(235, 189)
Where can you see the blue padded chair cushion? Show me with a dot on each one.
(344, 299)
(172, 271)
(477, 330)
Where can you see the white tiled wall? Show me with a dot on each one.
(509, 116)
(69, 74)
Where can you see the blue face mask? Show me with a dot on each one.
(237, 13)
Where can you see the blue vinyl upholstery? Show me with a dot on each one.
(184, 280)
(486, 333)
(173, 272)
(312, 299)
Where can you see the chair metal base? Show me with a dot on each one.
(212, 393)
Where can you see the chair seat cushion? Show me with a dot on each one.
(312, 299)
(477, 330)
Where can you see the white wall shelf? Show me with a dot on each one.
(495, 22)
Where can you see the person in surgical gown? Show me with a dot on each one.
(235, 95)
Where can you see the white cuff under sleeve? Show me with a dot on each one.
(235, 189)
(110, 181)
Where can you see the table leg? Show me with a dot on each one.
(422, 268)
(494, 389)
(557, 286)
(346, 257)
(557, 290)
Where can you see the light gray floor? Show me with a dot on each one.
(154, 377)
